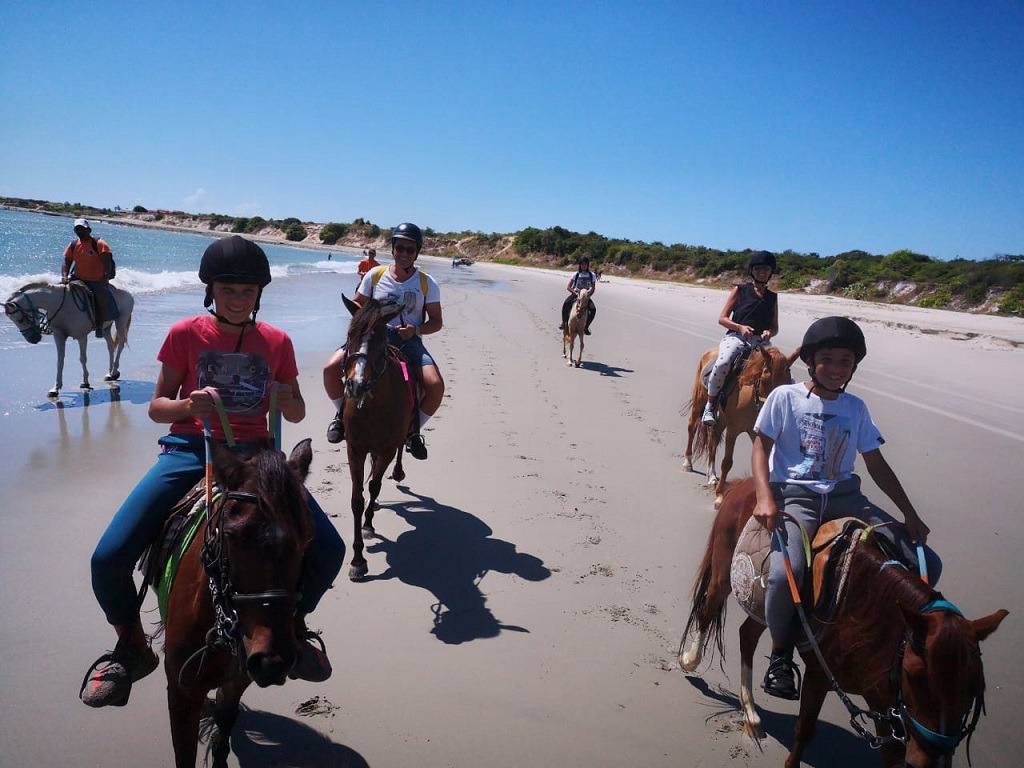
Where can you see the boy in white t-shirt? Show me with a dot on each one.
(807, 439)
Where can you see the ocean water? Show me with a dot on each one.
(159, 268)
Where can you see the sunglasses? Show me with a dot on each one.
(405, 250)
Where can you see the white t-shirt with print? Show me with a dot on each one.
(409, 293)
(816, 440)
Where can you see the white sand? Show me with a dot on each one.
(525, 602)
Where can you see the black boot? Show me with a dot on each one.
(336, 429)
(782, 679)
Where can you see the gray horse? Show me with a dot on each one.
(66, 311)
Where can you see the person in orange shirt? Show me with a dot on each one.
(370, 262)
(91, 259)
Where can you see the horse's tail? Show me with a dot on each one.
(118, 339)
(711, 626)
(702, 436)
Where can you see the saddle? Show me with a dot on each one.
(731, 377)
(831, 551)
(159, 563)
(85, 298)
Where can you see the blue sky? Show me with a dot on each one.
(813, 126)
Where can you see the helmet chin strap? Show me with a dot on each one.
(243, 325)
(818, 384)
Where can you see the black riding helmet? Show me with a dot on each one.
(234, 260)
(408, 231)
(832, 333)
(761, 259)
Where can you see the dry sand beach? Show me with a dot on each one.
(526, 597)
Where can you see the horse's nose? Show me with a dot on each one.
(267, 669)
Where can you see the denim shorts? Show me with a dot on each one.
(412, 348)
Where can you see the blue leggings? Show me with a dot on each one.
(139, 521)
(808, 510)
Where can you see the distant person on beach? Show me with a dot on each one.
(370, 262)
(583, 278)
(751, 317)
(229, 339)
(807, 437)
(91, 261)
(404, 283)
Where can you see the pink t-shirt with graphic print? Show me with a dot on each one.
(206, 356)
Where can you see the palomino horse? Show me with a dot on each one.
(66, 312)
(576, 327)
(736, 413)
(231, 609)
(378, 410)
(891, 639)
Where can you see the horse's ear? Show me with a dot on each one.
(302, 455)
(350, 305)
(986, 626)
(227, 467)
(794, 357)
(390, 309)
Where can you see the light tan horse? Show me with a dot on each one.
(576, 326)
(764, 371)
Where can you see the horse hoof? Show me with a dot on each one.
(356, 572)
(112, 376)
(687, 465)
(53, 392)
(85, 385)
(686, 663)
(369, 533)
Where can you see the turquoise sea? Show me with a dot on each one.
(159, 268)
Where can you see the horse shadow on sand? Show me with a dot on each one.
(135, 392)
(449, 552)
(604, 370)
(833, 747)
(268, 740)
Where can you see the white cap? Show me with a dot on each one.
(82, 223)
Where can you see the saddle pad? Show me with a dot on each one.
(749, 571)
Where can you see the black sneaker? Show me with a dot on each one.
(416, 447)
(336, 429)
(782, 679)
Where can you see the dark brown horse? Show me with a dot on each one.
(893, 640)
(378, 409)
(231, 609)
(765, 369)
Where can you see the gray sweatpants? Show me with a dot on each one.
(808, 510)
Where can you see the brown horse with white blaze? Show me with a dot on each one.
(378, 410)
(892, 639)
(765, 369)
(231, 609)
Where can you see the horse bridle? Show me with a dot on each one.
(38, 322)
(942, 743)
(378, 371)
(224, 633)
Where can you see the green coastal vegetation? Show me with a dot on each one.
(994, 285)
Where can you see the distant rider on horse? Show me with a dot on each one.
(583, 278)
(751, 317)
(405, 284)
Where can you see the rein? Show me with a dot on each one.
(900, 722)
(224, 632)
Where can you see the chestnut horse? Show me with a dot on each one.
(230, 617)
(576, 327)
(765, 369)
(892, 639)
(378, 410)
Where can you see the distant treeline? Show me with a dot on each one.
(906, 277)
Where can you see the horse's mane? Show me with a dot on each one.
(281, 488)
(756, 362)
(883, 589)
(364, 320)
